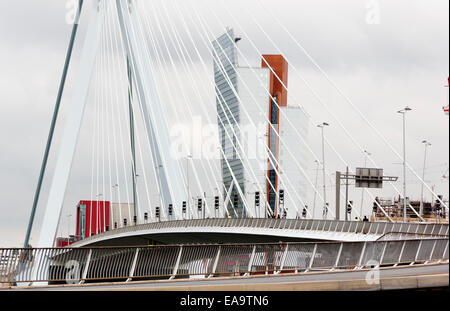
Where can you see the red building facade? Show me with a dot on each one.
(278, 88)
(92, 218)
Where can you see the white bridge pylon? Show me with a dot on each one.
(168, 171)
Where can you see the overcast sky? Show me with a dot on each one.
(383, 55)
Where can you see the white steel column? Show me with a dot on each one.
(70, 136)
(168, 170)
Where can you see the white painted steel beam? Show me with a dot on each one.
(72, 128)
(167, 167)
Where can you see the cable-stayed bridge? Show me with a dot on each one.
(136, 67)
(261, 230)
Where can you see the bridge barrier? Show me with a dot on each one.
(79, 265)
(338, 226)
(407, 236)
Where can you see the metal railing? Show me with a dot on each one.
(376, 228)
(79, 265)
(390, 236)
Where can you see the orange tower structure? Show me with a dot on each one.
(279, 92)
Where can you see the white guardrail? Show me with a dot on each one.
(79, 265)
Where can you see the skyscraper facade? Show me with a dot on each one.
(263, 156)
(225, 78)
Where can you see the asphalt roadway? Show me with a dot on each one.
(390, 278)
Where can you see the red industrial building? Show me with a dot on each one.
(92, 218)
(63, 242)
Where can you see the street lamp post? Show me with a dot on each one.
(366, 154)
(119, 209)
(189, 157)
(427, 144)
(116, 190)
(315, 185)
(404, 112)
(68, 227)
(322, 126)
(97, 213)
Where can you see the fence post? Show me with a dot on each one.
(86, 268)
(283, 259)
(338, 256)
(432, 230)
(318, 225)
(384, 251)
(337, 225)
(312, 258)
(401, 253)
(432, 251)
(34, 269)
(133, 265)
(417, 253)
(445, 250)
(409, 227)
(378, 226)
(175, 269)
(362, 256)
(216, 261)
(250, 262)
(370, 227)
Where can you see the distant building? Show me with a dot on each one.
(92, 218)
(242, 101)
(122, 214)
(65, 241)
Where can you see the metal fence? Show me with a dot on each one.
(78, 265)
(377, 228)
(408, 236)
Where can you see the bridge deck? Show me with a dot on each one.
(257, 230)
(392, 278)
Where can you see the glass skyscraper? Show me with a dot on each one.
(225, 77)
(271, 181)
